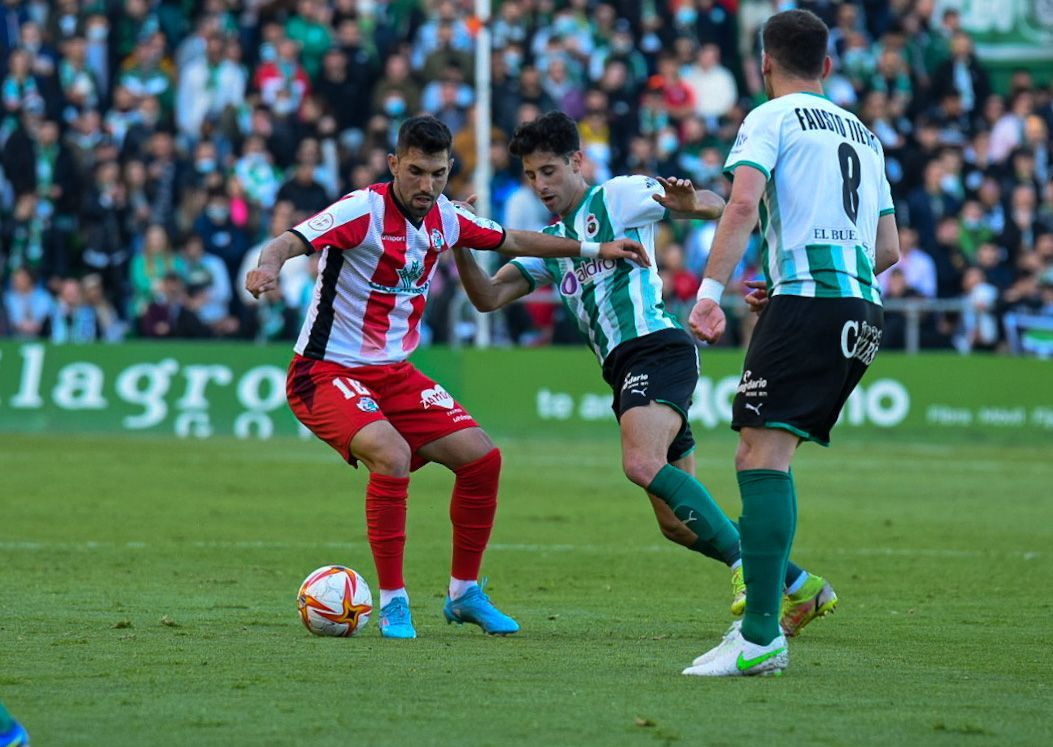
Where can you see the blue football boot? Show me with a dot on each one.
(475, 607)
(16, 736)
(395, 621)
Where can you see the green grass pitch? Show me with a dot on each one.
(147, 597)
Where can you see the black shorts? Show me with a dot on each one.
(805, 358)
(659, 367)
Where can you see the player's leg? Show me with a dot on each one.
(11, 732)
(647, 431)
(387, 457)
(476, 464)
(339, 406)
(798, 582)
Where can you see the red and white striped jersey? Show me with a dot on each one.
(375, 271)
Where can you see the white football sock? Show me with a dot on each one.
(458, 586)
(386, 595)
(737, 564)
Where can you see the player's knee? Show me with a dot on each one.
(742, 457)
(390, 459)
(641, 469)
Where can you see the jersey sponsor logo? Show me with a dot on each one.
(368, 404)
(752, 387)
(408, 277)
(860, 340)
(321, 222)
(592, 226)
(835, 234)
(636, 384)
(586, 272)
(392, 237)
(436, 397)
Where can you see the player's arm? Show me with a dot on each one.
(480, 233)
(275, 253)
(740, 216)
(886, 253)
(683, 201)
(534, 244)
(485, 292)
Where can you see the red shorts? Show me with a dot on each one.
(335, 402)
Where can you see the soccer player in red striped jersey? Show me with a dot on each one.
(350, 382)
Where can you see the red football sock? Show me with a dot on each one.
(386, 526)
(472, 511)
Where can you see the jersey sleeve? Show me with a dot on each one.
(534, 270)
(630, 201)
(476, 232)
(757, 144)
(343, 225)
(885, 204)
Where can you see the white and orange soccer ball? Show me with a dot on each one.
(334, 600)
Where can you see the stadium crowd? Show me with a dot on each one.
(149, 147)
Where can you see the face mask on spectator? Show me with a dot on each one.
(668, 142)
(395, 107)
(686, 16)
(513, 60)
(217, 213)
(564, 26)
(205, 165)
(284, 106)
(98, 33)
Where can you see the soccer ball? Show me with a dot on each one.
(334, 600)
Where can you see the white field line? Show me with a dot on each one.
(501, 547)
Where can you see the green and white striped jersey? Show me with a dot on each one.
(613, 301)
(826, 190)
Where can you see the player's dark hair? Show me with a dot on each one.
(552, 132)
(796, 39)
(425, 133)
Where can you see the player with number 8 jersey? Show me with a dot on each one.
(350, 381)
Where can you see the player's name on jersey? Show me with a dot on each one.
(850, 235)
(814, 118)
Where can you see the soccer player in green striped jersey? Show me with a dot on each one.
(814, 176)
(648, 360)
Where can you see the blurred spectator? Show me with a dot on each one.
(71, 319)
(282, 82)
(208, 287)
(962, 74)
(220, 236)
(208, 87)
(109, 325)
(28, 306)
(713, 85)
(170, 314)
(916, 267)
(149, 268)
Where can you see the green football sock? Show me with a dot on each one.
(693, 505)
(767, 533)
(6, 722)
(793, 571)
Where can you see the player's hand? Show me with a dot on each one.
(261, 280)
(679, 197)
(468, 203)
(757, 298)
(707, 320)
(625, 249)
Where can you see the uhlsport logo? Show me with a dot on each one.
(586, 272)
(436, 397)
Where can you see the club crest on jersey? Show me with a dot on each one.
(437, 240)
(585, 272)
(367, 404)
(436, 397)
(321, 222)
(592, 226)
(410, 274)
